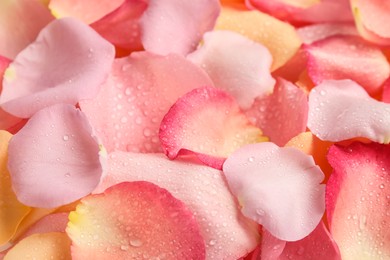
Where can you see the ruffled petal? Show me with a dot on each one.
(87, 11)
(67, 63)
(236, 65)
(20, 23)
(347, 57)
(341, 110)
(46, 246)
(279, 37)
(54, 159)
(281, 115)
(358, 199)
(209, 123)
(277, 187)
(133, 220)
(175, 26)
(138, 93)
(12, 211)
(226, 232)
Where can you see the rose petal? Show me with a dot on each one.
(12, 211)
(281, 115)
(20, 23)
(51, 223)
(277, 187)
(121, 27)
(175, 26)
(45, 246)
(66, 63)
(386, 91)
(137, 219)
(347, 57)
(226, 232)
(236, 65)
(209, 123)
(128, 110)
(340, 110)
(87, 10)
(358, 200)
(280, 38)
(54, 159)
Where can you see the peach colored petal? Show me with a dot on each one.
(279, 37)
(209, 123)
(358, 200)
(226, 232)
(44, 246)
(12, 211)
(134, 220)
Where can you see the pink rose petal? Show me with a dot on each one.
(121, 27)
(236, 64)
(281, 115)
(137, 220)
(226, 232)
(386, 91)
(358, 200)
(87, 11)
(132, 102)
(209, 123)
(177, 26)
(341, 110)
(54, 158)
(20, 23)
(347, 57)
(277, 187)
(67, 63)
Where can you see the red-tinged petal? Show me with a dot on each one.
(281, 115)
(54, 245)
(317, 245)
(341, 110)
(20, 23)
(277, 187)
(347, 57)
(209, 123)
(51, 223)
(87, 11)
(132, 102)
(358, 200)
(386, 91)
(54, 159)
(226, 232)
(370, 18)
(176, 26)
(316, 32)
(12, 211)
(121, 27)
(135, 220)
(236, 64)
(67, 63)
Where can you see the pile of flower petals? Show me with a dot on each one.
(208, 129)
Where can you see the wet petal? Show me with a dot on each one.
(67, 63)
(136, 219)
(177, 26)
(87, 10)
(348, 57)
(209, 123)
(279, 37)
(226, 232)
(20, 23)
(12, 211)
(54, 159)
(132, 102)
(45, 246)
(358, 199)
(56, 222)
(236, 65)
(386, 91)
(281, 115)
(277, 187)
(341, 110)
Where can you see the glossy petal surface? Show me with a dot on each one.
(316, 32)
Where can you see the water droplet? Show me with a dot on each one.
(136, 242)
(67, 174)
(124, 120)
(124, 247)
(382, 186)
(212, 242)
(251, 159)
(128, 91)
(65, 137)
(322, 92)
(301, 250)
